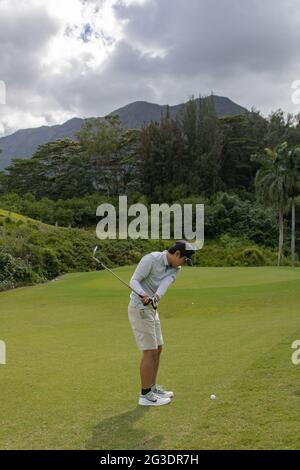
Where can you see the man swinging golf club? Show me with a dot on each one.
(150, 281)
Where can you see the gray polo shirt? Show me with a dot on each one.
(150, 272)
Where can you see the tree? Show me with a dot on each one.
(293, 137)
(292, 163)
(209, 144)
(162, 165)
(109, 152)
(186, 121)
(272, 186)
(277, 131)
(53, 171)
(243, 135)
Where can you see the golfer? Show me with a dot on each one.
(151, 279)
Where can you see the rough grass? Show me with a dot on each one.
(14, 217)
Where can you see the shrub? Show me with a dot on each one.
(50, 263)
(15, 271)
(252, 257)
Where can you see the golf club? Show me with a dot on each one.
(152, 300)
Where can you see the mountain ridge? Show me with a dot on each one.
(24, 142)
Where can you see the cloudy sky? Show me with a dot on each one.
(66, 58)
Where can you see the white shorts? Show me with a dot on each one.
(145, 325)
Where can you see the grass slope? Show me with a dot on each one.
(71, 379)
(14, 217)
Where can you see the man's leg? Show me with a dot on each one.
(148, 368)
(149, 365)
(156, 365)
(144, 329)
(159, 390)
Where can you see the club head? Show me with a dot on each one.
(95, 250)
(94, 255)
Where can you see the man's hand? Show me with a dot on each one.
(154, 301)
(145, 299)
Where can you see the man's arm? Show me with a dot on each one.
(165, 283)
(143, 269)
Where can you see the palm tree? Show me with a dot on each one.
(293, 188)
(271, 185)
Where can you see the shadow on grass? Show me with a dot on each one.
(118, 432)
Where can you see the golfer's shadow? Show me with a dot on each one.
(118, 432)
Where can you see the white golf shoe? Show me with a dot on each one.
(151, 399)
(161, 393)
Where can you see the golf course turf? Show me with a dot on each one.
(72, 375)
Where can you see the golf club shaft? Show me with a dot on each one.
(114, 274)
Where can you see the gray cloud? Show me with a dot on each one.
(245, 50)
(171, 49)
(26, 28)
(23, 35)
(255, 35)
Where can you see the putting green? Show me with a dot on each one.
(72, 375)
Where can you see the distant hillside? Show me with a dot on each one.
(23, 143)
(135, 115)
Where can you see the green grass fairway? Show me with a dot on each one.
(72, 375)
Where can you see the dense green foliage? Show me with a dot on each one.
(224, 213)
(244, 169)
(32, 252)
(102, 160)
(196, 154)
(277, 185)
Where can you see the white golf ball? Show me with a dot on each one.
(213, 397)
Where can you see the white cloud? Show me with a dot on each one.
(74, 17)
(44, 43)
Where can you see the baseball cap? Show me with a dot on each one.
(186, 250)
